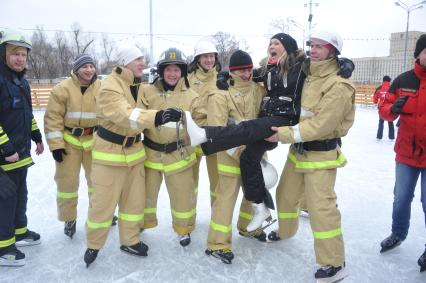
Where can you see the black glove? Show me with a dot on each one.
(398, 104)
(7, 187)
(36, 136)
(257, 75)
(222, 80)
(167, 115)
(57, 154)
(346, 67)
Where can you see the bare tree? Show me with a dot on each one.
(64, 54)
(81, 41)
(108, 48)
(42, 61)
(226, 44)
(279, 25)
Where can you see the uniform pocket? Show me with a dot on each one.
(404, 146)
(411, 105)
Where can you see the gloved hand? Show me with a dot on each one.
(167, 115)
(398, 104)
(222, 80)
(257, 75)
(7, 187)
(346, 67)
(57, 154)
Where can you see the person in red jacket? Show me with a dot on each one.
(379, 96)
(407, 99)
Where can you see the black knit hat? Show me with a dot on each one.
(240, 60)
(289, 43)
(80, 60)
(386, 79)
(420, 45)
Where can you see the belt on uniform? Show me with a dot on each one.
(125, 141)
(79, 132)
(322, 145)
(163, 147)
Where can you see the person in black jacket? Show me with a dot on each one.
(17, 128)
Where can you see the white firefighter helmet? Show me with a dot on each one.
(270, 174)
(331, 37)
(204, 47)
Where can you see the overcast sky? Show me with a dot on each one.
(365, 25)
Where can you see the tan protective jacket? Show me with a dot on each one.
(68, 107)
(328, 111)
(118, 112)
(204, 84)
(183, 98)
(241, 102)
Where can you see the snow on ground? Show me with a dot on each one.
(364, 188)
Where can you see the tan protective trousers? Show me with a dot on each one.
(114, 185)
(324, 218)
(180, 187)
(220, 230)
(67, 178)
(211, 162)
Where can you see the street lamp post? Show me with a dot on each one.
(408, 9)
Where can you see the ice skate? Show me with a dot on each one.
(11, 256)
(29, 238)
(330, 274)
(69, 228)
(184, 240)
(114, 220)
(274, 236)
(90, 256)
(389, 243)
(258, 234)
(304, 213)
(422, 262)
(225, 255)
(260, 214)
(139, 249)
(195, 135)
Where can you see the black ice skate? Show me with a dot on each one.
(330, 274)
(225, 255)
(184, 240)
(29, 238)
(259, 235)
(11, 256)
(274, 236)
(389, 243)
(90, 256)
(139, 249)
(114, 220)
(69, 228)
(422, 262)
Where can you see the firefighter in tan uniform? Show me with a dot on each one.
(69, 123)
(202, 78)
(241, 102)
(118, 174)
(327, 114)
(166, 154)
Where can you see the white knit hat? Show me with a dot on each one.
(127, 53)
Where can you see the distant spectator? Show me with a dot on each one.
(379, 97)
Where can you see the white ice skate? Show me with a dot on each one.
(12, 257)
(195, 134)
(260, 214)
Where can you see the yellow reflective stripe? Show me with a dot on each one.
(74, 141)
(130, 217)
(213, 194)
(90, 190)
(228, 169)
(21, 231)
(327, 234)
(198, 150)
(34, 125)
(196, 190)
(170, 167)
(67, 195)
(150, 210)
(220, 228)
(94, 225)
(4, 139)
(17, 164)
(104, 156)
(8, 242)
(288, 215)
(316, 164)
(183, 215)
(246, 215)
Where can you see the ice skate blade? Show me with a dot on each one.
(24, 243)
(224, 260)
(340, 276)
(385, 249)
(12, 263)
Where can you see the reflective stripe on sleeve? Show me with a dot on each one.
(296, 134)
(80, 115)
(17, 164)
(134, 117)
(54, 135)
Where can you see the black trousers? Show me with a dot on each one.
(251, 133)
(13, 210)
(391, 133)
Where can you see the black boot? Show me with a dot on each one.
(225, 255)
(139, 249)
(330, 273)
(274, 236)
(90, 256)
(389, 243)
(184, 240)
(11, 256)
(257, 234)
(422, 262)
(69, 228)
(114, 220)
(29, 238)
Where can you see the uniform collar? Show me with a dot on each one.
(323, 68)
(240, 84)
(204, 76)
(419, 71)
(125, 74)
